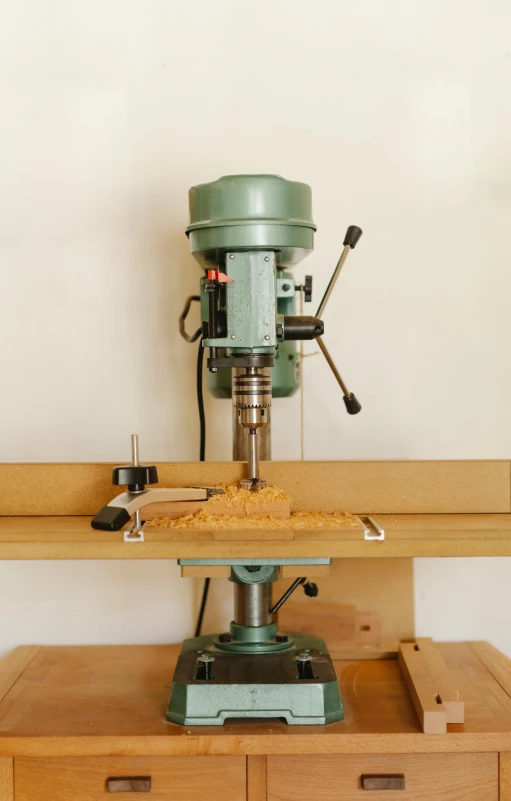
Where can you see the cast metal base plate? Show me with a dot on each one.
(254, 686)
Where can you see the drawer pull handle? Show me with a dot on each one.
(129, 784)
(388, 781)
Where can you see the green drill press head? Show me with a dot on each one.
(251, 212)
(246, 231)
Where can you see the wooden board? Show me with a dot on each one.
(505, 776)
(446, 681)
(384, 590)
(455, 777)
(256, 778)
(358, 487)
(423, 692)
(6, 779)
(73, 538)
(111, 701)
(496, 663)
(183, 778)
(13, 665)
(278, 509)
(334, 622)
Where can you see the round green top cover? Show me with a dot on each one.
(245, 212)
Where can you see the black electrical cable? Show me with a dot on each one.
(200, 402)
(202, 420)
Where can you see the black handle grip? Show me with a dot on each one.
(352, 404)
(353, 234)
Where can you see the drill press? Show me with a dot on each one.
(246, 232)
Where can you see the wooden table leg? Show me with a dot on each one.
(6, 779)
(256, 778)
(505, 776)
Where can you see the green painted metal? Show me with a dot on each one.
(251, 212)
(305, 560)
(285, 375)
(252, 640)
(267, 574)
(211, 703)
(253, 274)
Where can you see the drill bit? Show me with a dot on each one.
(253, 459)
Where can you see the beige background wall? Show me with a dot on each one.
(396, 113)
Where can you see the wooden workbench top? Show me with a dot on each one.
(87, 701)
(405, 536)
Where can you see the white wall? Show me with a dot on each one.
(395, 112)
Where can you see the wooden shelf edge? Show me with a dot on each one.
(72, 538)
(253, 745)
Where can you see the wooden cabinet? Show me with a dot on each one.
(73, 717)
(220, 778)
(431, 777)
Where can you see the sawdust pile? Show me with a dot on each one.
(235, 496)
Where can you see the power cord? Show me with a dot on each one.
(202, 456)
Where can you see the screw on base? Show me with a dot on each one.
(304, 665)
(205, 664)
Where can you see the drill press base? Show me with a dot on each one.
(265, 685)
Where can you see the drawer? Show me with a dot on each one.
(221, 778)
(431, 777)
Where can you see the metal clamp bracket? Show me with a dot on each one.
(371, 528)
(134, 535)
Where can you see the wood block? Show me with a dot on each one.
(205, 571)
(335, 623)
(384, 589)
(368, 628)
(387, 649)
(446, 682)
(173, 510)
(431, 713)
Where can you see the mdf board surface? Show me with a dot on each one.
(220, 778)
(439, 777)
(65, 537)
(358, 487)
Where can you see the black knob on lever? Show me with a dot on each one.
(350, 401)
(353, 234)
(353, 406)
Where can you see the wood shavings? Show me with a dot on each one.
(234, 496)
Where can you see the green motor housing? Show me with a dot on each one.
(251, 212)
